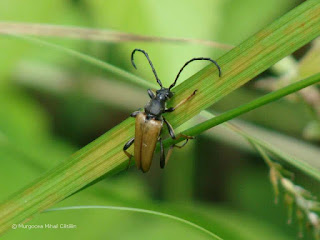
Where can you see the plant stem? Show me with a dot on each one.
(268, 98)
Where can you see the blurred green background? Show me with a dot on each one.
(52, 104)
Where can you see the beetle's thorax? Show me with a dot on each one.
(157, 105)
(155, 108)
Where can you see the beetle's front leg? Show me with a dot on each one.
(151, 94)
(134, 114)
(125, 147)
(181, 103)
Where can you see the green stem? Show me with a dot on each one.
(268, 98)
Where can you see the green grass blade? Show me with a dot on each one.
(285, 143)
(89, 59)
(284, 156)
(103, 35)
(268, 98)
(105, 155)
(139, 210)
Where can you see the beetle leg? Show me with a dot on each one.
(170, 151)
(185, 136)
(177, 146)
(181, 103)
(172, 134)
(171, 131)
(125, 147)
(162, 156)
(134, 114)
(151, 94)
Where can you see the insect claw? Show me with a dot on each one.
(186, 136)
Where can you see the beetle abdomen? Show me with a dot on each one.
(146, 137)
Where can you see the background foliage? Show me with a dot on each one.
(51, 104)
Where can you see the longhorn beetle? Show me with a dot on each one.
(149, 123)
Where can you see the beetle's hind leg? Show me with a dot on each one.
(125, 147)
(164, 160)
(172, 134)
(185, 136)
(162, 156)
(170, 129)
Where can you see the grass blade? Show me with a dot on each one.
(89, 59)
(139, 210)
(36, 29)
(270, 97)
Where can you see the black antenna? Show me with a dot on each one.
(193, 59)
(147, 56)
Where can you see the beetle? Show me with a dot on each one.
(149, 123)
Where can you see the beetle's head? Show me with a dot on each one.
(164, 94)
